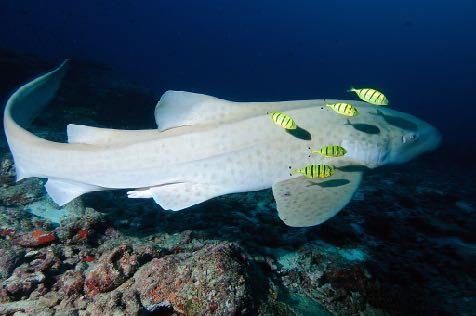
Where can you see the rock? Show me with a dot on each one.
(17, 193)
(213, 279)
(9, 260)
(68, 252)
(25, 307)
(71, 282)
(7, 171)
(22, 282)
(23, 192)
(51, 299)
(124, 300)
(112, 269)
(31, 254)
(82, 227)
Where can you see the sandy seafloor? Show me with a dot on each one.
(405, 245)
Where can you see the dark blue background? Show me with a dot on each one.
(420, 53)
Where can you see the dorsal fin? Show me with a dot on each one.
(180, 108)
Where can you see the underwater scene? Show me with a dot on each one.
(237, 157)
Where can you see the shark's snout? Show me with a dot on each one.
(430, 137)
(411, 144)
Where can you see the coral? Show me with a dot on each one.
(87, 259)
(36, 238)
(82, 234)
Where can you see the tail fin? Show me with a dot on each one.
(32, 97)
(20, 110)
(352, 89)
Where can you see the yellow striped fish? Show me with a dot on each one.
(344, 109)
(315, 171)
(371, 96)
(283, 120)
(330, 151)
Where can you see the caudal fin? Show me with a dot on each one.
(20, 110)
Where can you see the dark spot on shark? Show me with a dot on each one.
(330, 183)
(365, 128)
(299, 133)
(397, 121)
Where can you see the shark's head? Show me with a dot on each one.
(409, 139)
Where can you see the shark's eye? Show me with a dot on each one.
(409, 138)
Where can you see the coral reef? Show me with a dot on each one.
(404, 245)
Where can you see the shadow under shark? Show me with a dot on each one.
(206, 147)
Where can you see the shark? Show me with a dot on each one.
(204, 147)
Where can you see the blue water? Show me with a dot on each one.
(421, 54)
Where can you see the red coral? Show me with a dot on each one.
(88, 259)
(82, 234)
(212, 307)
(39, 223)
(42, 237)
(7, 232)
(37, 233)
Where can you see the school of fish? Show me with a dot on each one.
(320, 171)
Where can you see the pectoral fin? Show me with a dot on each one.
(177, 196)
(302, 202)
(64, 191)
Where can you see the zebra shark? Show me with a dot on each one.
(204, 147)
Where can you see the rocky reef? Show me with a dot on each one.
(405, 245)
